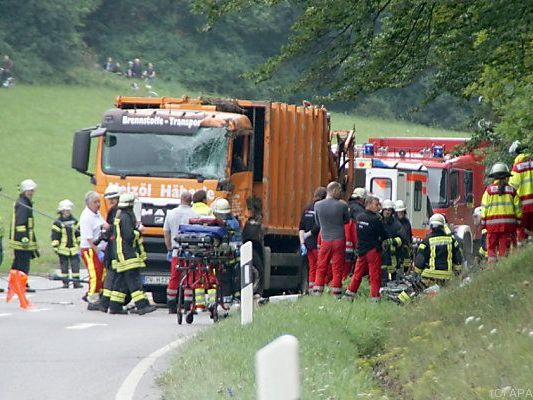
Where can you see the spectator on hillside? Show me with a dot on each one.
(137, 68)
(117, 69)
(149, 73)
(109, 65)
(129, 72)
(7, 69)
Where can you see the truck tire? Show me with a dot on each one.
(468, 255)
(159, 296)
(258, 273)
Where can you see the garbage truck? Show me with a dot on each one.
(266, 158)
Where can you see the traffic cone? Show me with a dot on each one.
(11, 286)
(19, 285)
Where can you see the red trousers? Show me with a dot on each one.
(312, 258)
(368, 264)
(499, 243)
(96, 273)
(527, 223)
(174, 281)
(330, 251)
(348, 266)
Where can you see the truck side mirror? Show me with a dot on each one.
(81, 147)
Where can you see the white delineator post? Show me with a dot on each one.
(247, 284)
(277, 370)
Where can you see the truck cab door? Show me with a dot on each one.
(240, 176)
(416, 201)
(383, 182)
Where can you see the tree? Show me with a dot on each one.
(353, 47)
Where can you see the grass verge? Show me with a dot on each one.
(421, 351)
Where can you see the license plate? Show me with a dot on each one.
(156, 280)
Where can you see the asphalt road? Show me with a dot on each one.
(60, 350)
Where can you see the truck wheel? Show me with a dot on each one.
(467, 250)
(159, 296)
(258, 273)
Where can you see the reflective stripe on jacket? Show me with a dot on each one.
(22, 234)
(500, 212)
(522, 180)
(65, 236)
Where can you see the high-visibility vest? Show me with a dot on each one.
(439, 255)
(500, 212)
(522, 180)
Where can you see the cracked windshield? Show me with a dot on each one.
(176, 155)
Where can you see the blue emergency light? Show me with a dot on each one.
(369, 149)
(438, 151)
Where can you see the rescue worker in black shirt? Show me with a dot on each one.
(370, 236)
(308, 234)
(111, 195)
(65, 237)
(407, 235)
(356, 204)
(439, 255)
(23, 242)
(128, 260)
(392, 245)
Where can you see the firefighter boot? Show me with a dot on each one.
(144, 307)
(116, 308)
(172, 306)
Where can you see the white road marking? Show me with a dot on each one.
(84, 325)
(5, 314)
(127, 389)
(38, 309)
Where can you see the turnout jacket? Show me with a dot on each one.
(65, 236)
(370, 232)
(129, 249)
(308, 224)
(394, 242)
(522, 180)
(439, 255)
(501, 210)
(22, 233)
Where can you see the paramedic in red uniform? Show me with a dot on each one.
(370, 236)
(331, 214)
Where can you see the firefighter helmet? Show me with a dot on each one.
(400, 205)
(221, 206)
(27, 184)
(65, 205)
(112, 191)
(437, 220)
(515, 147)
(388, 204)
(126, 200)
(359, 193)
(499, 170)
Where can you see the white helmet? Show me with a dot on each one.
(112, 191)
(27, 184)
(359, 193)
(477, 212)
(65, 205)
(388, 204)
(515, 147)
(126, 200)
(499, 171)
(400, 205)
(437, 220)
(221, 206)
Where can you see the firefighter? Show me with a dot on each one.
(357, 202)
(439, 255)
(392, 246)
(522, 180)
(407, 235)
(308, 234)
(111, 196)
(65, 237)
(129, 259)
(331, 214)
(92, 248)
(500, 213)
(370, 236)
(199, 204)
(23, 242)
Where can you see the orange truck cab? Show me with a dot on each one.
(265, 158)
(453, 184)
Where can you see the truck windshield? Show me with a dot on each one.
(200, 155)
(438, 187)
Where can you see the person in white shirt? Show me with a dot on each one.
(176, 217)
(92, 249)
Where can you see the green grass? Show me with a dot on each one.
(36, 130)
(420, 351)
